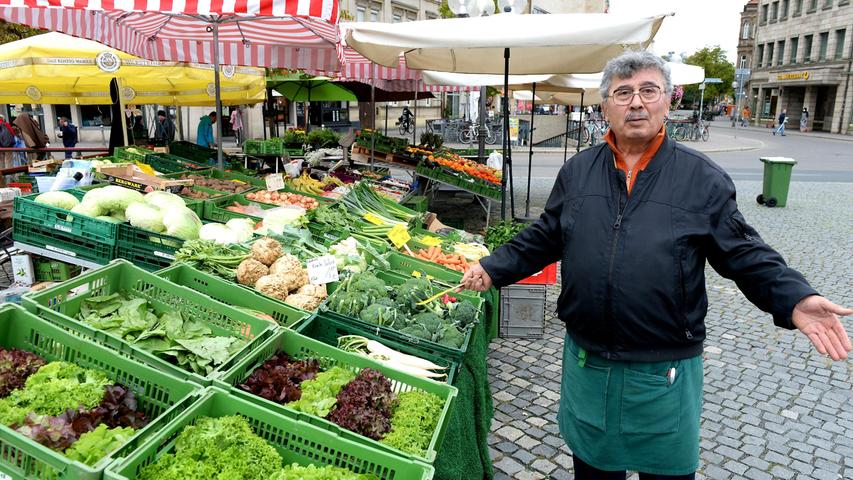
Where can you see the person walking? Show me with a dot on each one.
(634, 221)
(783, 119)
(745, 116)
(204, 133)
(7, 140)
(32, 133)
(804, 120)
(237, 124)
(164, 130)
(68, 134)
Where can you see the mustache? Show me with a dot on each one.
(636, 116)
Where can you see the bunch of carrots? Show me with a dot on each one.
(452, 261)
(472, 168)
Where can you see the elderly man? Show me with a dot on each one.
(634, 221)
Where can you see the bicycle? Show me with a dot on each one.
(407, 125)
(594, 132)
(470, 134)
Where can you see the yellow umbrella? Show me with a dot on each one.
(55, 68)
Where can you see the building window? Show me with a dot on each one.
(780, 52)
(95, 115)
(760, 56)
(374, 15)
(397, 18)
(839, 43)
(770, 54)
(360, 14)
(812, 6)
(764, 14)
(807, 48)
(824, 44)
(743, 61)
(745, 34)
(798, 8)
(774, 11)
(794, 44)
(783, 14)
(827, 4)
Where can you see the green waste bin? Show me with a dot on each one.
(777, 179)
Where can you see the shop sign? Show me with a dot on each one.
(793, 76)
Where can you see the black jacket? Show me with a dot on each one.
(633, 271)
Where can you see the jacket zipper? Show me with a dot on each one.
(620, 212)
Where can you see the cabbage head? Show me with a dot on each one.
(108, 218)
(90, 209)
(58, 199)
(113, 198)
(164, 200)
(145, 216)
(182, 223)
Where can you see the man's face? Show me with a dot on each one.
(640, 120)
(161, 118)
(213, 119)
(62, 122)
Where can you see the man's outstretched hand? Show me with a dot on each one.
(477, 279)
(818, 319)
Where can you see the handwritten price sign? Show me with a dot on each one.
(322, 270)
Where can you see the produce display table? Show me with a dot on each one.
(432, 185)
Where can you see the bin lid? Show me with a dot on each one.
(787, 160)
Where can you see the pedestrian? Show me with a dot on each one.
(164, 130)
(32, 133)
(745, 116)
(804, 120)
(783, 119)
(204, 133)
(237, 124)
(7, 140)
(634, 221)
(68, 134)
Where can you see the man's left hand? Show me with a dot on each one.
(818, 319)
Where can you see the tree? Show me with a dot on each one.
(714, 61)
(9, 32)
(445, 12)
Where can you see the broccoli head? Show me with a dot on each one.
(417, 331)
(368, 283)
(452, 337)
(413, 291)
(463, 314)
(378, 314)
(348, 303)
(386, 301)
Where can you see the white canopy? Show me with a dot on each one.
(539, 44)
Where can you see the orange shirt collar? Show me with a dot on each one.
(644, 159)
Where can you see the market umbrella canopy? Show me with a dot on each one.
(304, 88)
(540, 44)
(362, 93)
(55, 68)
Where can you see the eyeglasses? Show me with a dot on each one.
(647, 94)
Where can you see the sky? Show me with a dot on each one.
(696, 24)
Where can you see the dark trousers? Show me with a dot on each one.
(584, 471)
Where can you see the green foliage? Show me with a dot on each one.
(10, 32)
(445, 12)
(217, 448)
(95, 445)
(313, 472)
(714, 61)
(501, 233)
(323, 138)
(414, 421)
(431, 141)
(319, 395)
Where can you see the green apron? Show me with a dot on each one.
(628, 416)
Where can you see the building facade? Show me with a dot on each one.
(802, 59)
(745, 48)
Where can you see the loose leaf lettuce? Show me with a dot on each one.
(319, 395)
(313, 472)
(414, 422)
(15, 367)
(364, 405)
(95, 445)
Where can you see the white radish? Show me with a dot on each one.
(375, 347)
(408, 369)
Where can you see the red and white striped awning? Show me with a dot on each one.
(135, 27)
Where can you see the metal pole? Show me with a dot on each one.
(481, 132)
(580, 124)
(530, 154)
(373, 117)
(415, 120)
(219, 160)
(505, 143)
(566, 138)
(386, 119)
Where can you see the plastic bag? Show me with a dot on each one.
(495, 160)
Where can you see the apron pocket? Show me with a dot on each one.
(584, 391)
(649, 404)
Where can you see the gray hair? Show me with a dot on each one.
(628, 63)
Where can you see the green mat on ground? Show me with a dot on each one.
(464, 455)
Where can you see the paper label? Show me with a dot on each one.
(275, 181)
(322, 270)
(167, 256)
(62, 228)
(399, 236)
(4, 476)
(373, 219)
(430, 241)
(60, 250)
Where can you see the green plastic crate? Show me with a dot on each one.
(418, 203)
(60, 305)
(253, 147)
(406, 265)
(132, 154)
(326, 329)
(391, 278)
(47, 270)
(57, 241)
(296, 442)
(224, 175)
(296, 345)
(148, 260)
(175, 162)
(47, 216)
(156, 392)
(147, 242)
(191, 151)
(232, 294)
(214, 209)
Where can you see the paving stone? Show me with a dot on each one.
(508, 466)
(544, 466)
(510, 433)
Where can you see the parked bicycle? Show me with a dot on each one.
(594, 132)
(469, 134)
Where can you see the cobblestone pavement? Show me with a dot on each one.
(773, 407)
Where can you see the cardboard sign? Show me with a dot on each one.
(275, 182)
(322, 270)
(373, 219)
(399, 236)
(430, 241)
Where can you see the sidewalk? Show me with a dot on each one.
(725, 125)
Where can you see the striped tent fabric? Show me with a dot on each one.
(129, 25)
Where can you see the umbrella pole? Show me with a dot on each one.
(415, 120)
(219, 120)
(386, 119)
(580, 124)
(505, 142)
(481, 132)
(373, 117)
(566, 142)
(530, 155)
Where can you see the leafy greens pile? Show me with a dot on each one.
(278, 379)
(226, 447)
(15, 367)
(365, 405)
(188, 342)
(414, 422)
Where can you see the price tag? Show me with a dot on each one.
(373, 219)
(4, 476)
(275, 182)
(416, 274)
(322, 270)
(399, 236)
(430, 241)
